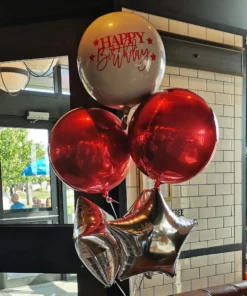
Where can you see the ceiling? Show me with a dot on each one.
(23, 12)
(219, 12)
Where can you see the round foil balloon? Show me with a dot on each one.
(121, 59)
(173, 135)
(89, 151)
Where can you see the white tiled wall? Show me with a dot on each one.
(181, 28)
(196, 273)
(214, 196)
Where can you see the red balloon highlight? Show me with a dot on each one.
(89, 150)
(173, 135)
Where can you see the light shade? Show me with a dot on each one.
(14, 77)
(41, 67)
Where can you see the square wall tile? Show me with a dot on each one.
(160, 23)
(238, 128)
(215, 178)
(209, 97)
(238, 276)
(190, 274)
(147, 292)
(142, 14)
(179, 81)
(223, 99)
(229, 278)
(181, 287)
(228, 88)
(197, 31)
(215, 243)
(224, 268)
(183, 264)
(238, 105)
(172, 70)
(216, 280)
(178, 27)
(238, 234)
(238, 41)
(199, 261)
(199, 283)
(165, 82)
(163, 290)
(215, 200)
(223, 211)
(215, 86)
(238, 261)
(229, 38)
(188, 72)
(197, 84)
(239, 86)
(238, 216)
(223, 77)
(215, 223)
(207, 271)
(199, 245)
(214, 35)
(206, 75)
(198, 202)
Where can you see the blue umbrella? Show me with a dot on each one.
(37, 168)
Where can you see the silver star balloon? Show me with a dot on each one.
(151, 236)
(95, 245)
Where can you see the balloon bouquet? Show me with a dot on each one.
(171, 138)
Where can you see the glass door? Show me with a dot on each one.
(31, 196)
(29, 189)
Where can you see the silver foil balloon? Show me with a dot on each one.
(151, 236)
(95, 245)
(121, 59)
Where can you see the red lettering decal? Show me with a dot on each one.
(140, 35)
(105, 42)
(123, 38)
(123, 48)
(115, 41)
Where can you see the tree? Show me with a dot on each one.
(15, 155)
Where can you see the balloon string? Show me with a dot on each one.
(110, 201)
(135, 285)
(120, 288)
(105, 194)
(115, 214)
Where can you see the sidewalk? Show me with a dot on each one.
(58, 288)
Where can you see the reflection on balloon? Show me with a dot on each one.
(151, 236)
(173, 135)
(121, 59)
(95, 246)
(89, 151)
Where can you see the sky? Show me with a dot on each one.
(39, 136)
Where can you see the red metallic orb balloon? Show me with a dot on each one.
(173, 135)
(89, 150)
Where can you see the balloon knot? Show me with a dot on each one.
(105, 193)
(108, 199)
(126, 110)
(157, 184)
